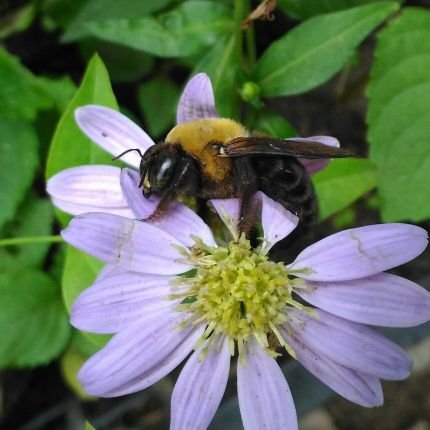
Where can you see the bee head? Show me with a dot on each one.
(157, 168)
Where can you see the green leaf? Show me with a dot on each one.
(221, 66)
(18, 163)
(60, 90)
(88, 426)
(33, 322)
(20, 96)
(79, 351)
(80, 271)
(308, 8)
(315, 50)
(274, 125)
(60, 13)
(158, 99)
(124, 64)
(70, 147)
(34, 218)
(17, 21)
(399, 116)
(99, 11)
(186, 30)
(343, 182)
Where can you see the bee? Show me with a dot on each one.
(212, 158)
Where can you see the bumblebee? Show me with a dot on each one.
(218, 158)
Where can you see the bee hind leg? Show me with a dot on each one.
(246, 185)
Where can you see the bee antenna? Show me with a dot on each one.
(127, 151)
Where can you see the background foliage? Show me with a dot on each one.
(56, 55)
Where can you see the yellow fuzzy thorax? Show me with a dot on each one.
(195, 137)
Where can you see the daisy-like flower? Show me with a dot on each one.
(95, 188)
(169, 289)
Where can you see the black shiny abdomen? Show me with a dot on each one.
(287, 181)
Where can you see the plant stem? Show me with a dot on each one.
(30, 240)
(239, 13)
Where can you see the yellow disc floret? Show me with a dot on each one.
(238, 292)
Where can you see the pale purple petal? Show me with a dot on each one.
(350, 344)
(118, 301)
(139, 356)
(228, 210)
(88, 189)
(197, 100)
(358, 387)
(360, 252)
(382, 299)
(277, 221)
(179, 221)
(200, 387)
(113, 131)
(110, 270)
(134, 245)
(265, 399)
(315, 165)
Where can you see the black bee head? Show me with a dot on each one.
(157, 167)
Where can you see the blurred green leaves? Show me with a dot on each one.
(343, 182)
(70, 147)
(18, 163)
(100, 11)
(33, 322)
(20, 96)
(309, 8)
(158, 99)
(315, 50)
(34, 218)
(221, 66)
(399, 116)
(186, 30)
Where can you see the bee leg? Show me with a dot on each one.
(246, 185)
(182, 181)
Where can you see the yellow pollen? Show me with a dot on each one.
(237, 291)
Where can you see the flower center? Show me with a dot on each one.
(238, 292)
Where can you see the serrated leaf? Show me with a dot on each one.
(315, 50)
(274, 125)
(306, 9)
(220, 64)
(19, 94)
(34, 218)
(399, 116)
(104, 10)
(343, 182)
(34, 326)
(80, 271)
(158, 99)
(18, 163)
(186, 30)
(70, 147)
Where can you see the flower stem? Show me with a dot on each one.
(30, 240)
(250, 42)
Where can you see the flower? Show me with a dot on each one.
(169, 288)
(95, 188)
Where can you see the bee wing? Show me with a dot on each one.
(298, 148)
